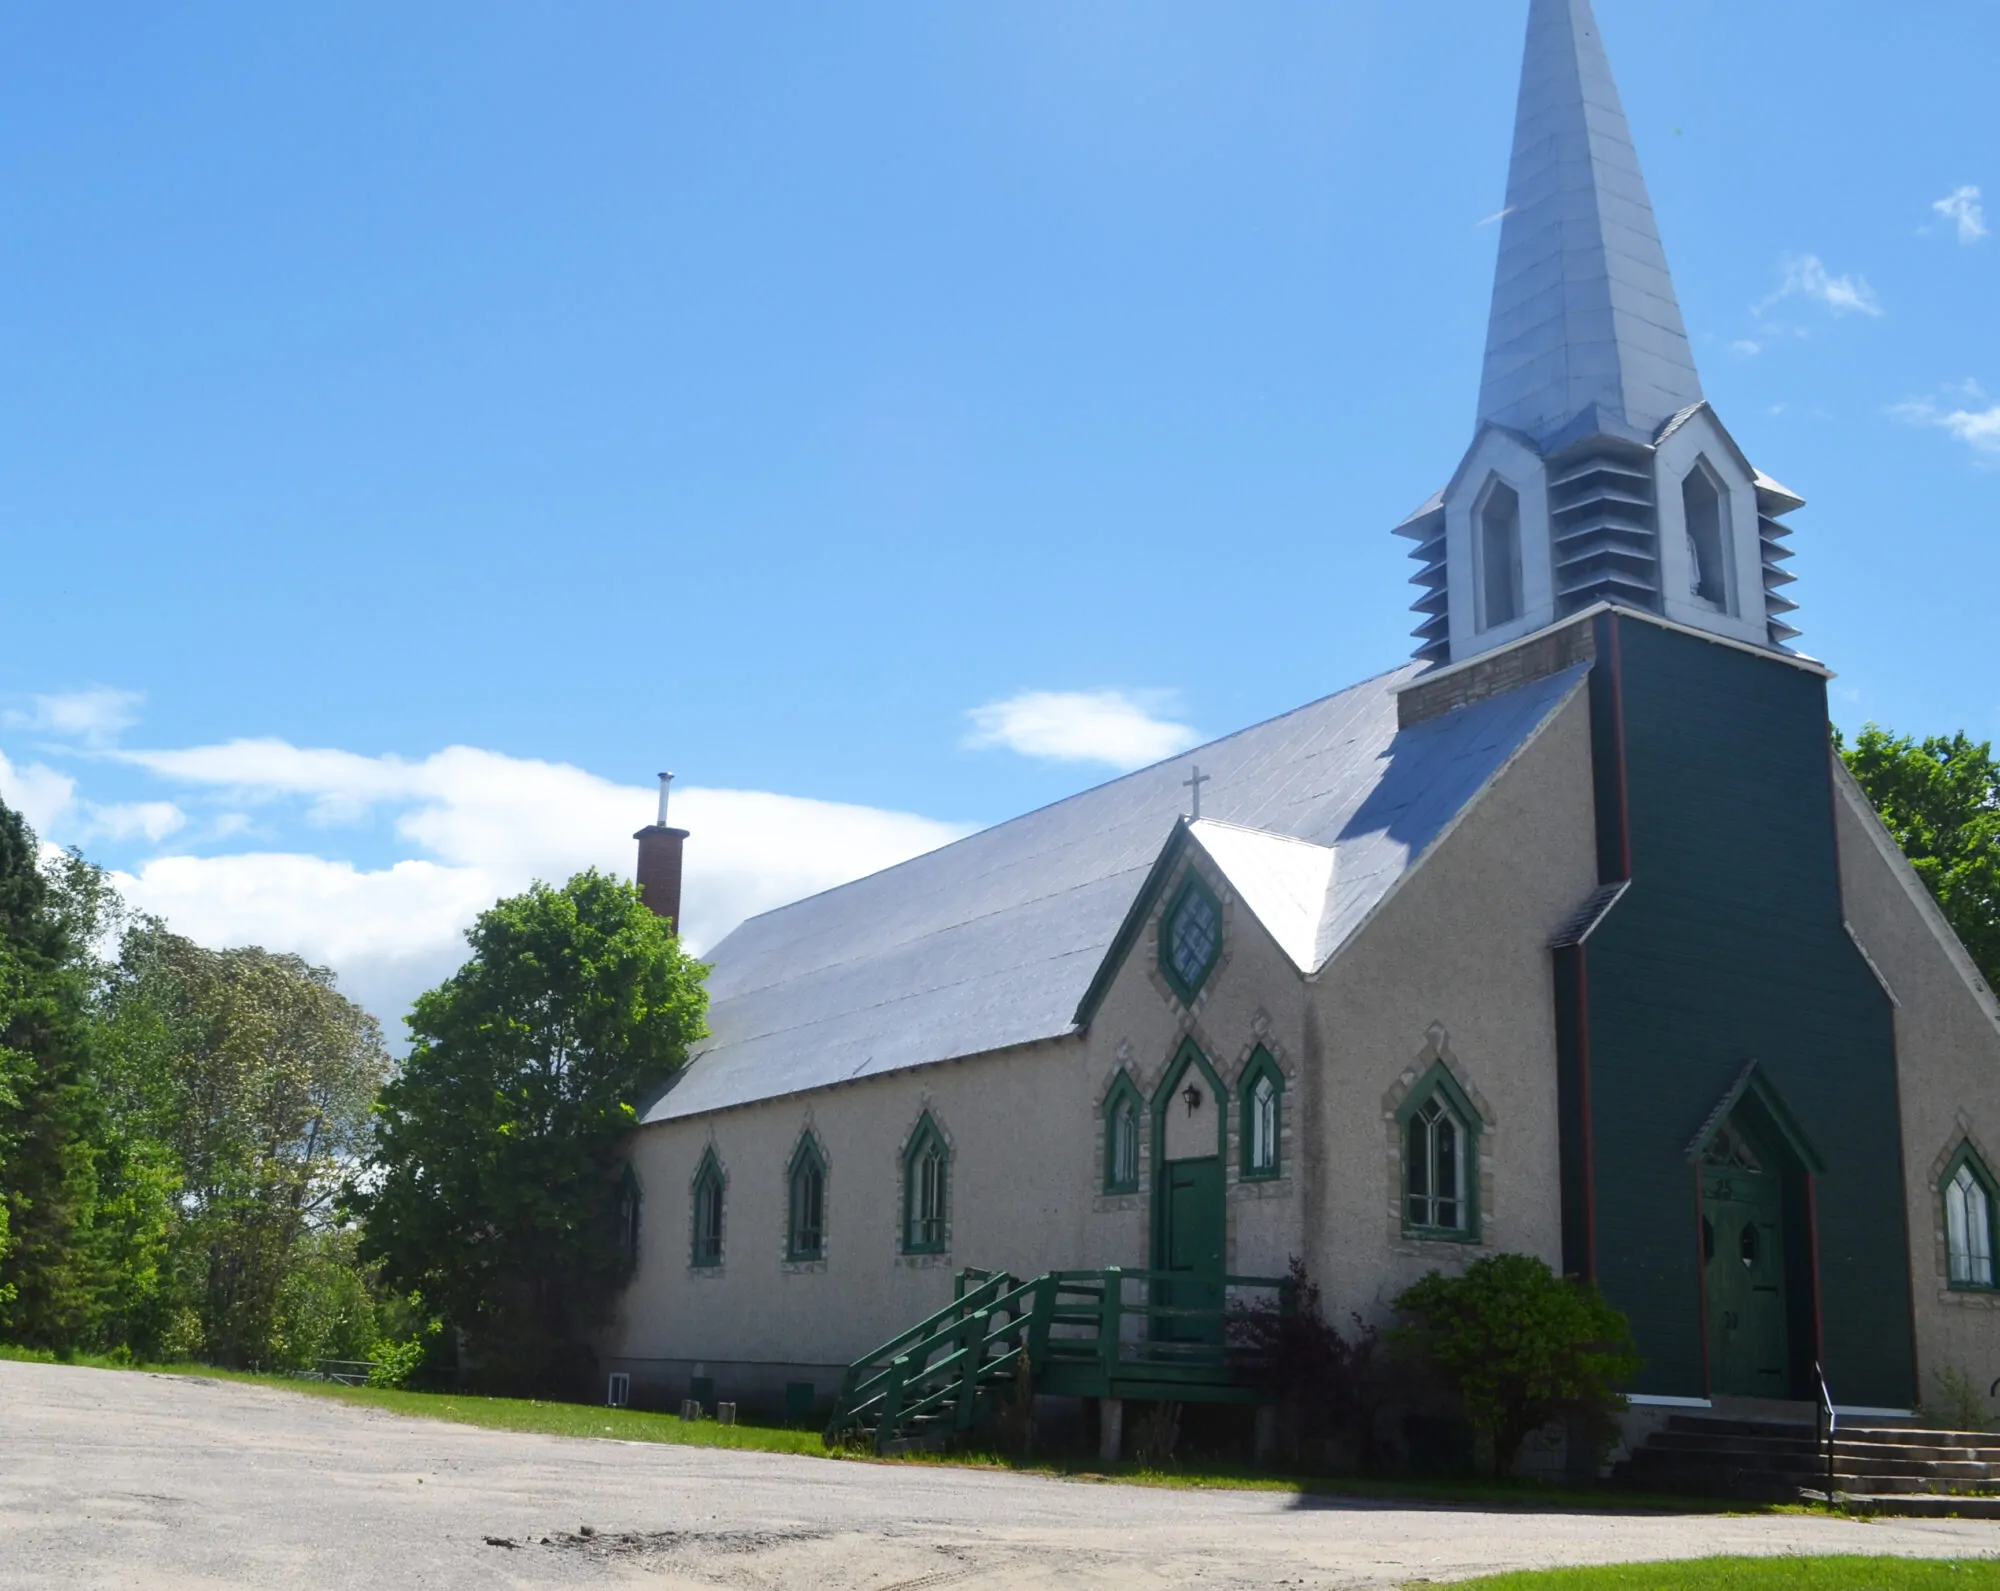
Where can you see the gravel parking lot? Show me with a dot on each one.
(141, 1482)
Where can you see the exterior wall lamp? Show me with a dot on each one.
(1193, 1097)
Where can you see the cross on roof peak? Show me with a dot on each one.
(1196, 780)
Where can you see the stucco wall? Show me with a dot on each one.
(1456, 964)
(1026, 1178)
(1948, 1072)
(1457, 957)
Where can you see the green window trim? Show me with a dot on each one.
(1448, 1152)
(1124, 1111)
(927, 1191)
(1190, 937)
(1966, 1192)
(805, 1203)
(709, 1188)
(1167, 1097)
(1260, 1131)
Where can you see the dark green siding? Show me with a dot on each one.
(1728, 947)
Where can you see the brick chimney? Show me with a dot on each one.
(660, 863)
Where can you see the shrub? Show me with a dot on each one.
(1520, 1346)
(1327, 1384)
(1959, 1404)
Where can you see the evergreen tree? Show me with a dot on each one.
(55, 1274)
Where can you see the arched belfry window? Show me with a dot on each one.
(1262, 1093)
(805, 1227)
(706, 1247)
(1440, 1149)
(1497, 558)
(1122, 1114)
(1705, 502)
(926, 1192)
(1967, 1189)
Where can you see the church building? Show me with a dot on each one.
(1569, 937)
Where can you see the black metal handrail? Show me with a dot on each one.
(1829, 1425)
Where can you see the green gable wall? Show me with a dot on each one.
(1729, 946)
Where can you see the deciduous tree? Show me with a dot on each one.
(1941, 800)
(498, 1159)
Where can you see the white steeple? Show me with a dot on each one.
(1585, 324)
(1598, 473)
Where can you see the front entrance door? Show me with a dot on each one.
(1192, 1224)
(1743, 1257)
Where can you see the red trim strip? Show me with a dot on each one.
(1812, 1237)
(1701, 1275)
(1584, 1109)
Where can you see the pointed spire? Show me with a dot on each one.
(1586, 334)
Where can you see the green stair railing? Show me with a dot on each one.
(1106, 1334)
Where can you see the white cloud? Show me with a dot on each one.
(487, 826)
(1964, 210)
(95, 716)
(38, 793)
(48, 800)
(1806, 276)
(127, 820)
(1746, 347)
(1978, 428)
(1104, 726)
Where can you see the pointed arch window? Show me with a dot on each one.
(1705, 504)
(1497, 527)
(1967, 1189)
(1440, 1149)
(706, 1248)
(1263, 1095)
(1122, 1113)
(926, 1190)
(625, 1217)
(805, 1229)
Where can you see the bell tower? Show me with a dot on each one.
(1597, 472)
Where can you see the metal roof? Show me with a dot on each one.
(994, 940)
(1585, 326)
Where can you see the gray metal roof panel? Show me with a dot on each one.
(992, 941)
(1584, 312)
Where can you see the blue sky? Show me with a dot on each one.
(419, 424)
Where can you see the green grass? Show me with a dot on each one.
(632, 1425)
(1759, 1574)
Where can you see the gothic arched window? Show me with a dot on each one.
(1440, 1152)
(706, 1248)
(1121, 1137)
(1497, 528)
(1968, 1221)
(1262, 1092)
(926, 1170)
(805, 1227)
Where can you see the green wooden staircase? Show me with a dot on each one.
(1151, 1335)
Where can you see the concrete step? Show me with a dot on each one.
(1922, 1505)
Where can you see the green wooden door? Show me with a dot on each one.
(1193, 1223)
(1743, 1251)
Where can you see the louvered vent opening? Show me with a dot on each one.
(1606, 532)
(1434, 633)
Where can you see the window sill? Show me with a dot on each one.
(1436, 1234)
(804, 1265)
